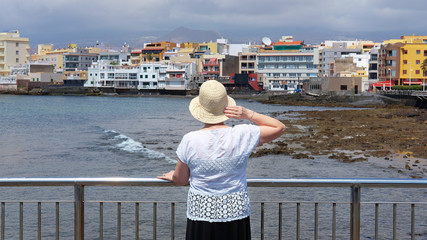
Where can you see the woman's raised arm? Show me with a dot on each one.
(270, 128)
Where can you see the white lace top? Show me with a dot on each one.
(217, 160)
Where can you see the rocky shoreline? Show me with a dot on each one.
(391, 135)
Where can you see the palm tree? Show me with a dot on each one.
(424, 68)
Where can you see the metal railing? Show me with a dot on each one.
(79, 184)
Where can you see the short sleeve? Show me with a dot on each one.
(181, 151)
(253, 134)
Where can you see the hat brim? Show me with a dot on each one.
(199, 113)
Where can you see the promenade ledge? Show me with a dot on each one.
(415, 213)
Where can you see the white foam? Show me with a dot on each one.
(129, 145)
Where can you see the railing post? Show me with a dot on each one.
(355, 213)
(79, 209)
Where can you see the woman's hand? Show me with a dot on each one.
(167, 176)
(238, 112)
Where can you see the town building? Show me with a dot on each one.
(75, 61)
(373, 63)
(335, 85)
(285, 64)
(13, 51)
(248, 62)
(115, 57)
(333, 50)
(146, 76)
(400, 60)
(152, 52)
(353, 65)
(80, 59)
(217, 67)
(75, 78)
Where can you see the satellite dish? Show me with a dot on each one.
(266, 41)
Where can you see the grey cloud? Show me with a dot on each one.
(131, 18)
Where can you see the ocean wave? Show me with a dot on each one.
(129, 145)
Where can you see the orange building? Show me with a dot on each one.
(152, 52)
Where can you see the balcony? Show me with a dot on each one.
(270, 219)
(215, 64)
(210, 72)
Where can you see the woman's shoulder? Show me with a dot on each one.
(245, 127)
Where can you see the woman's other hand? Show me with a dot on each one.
(167, 176)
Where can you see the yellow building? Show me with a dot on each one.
(190, 45)
(13, 51)
(212, 47)
(401, 60)
(46, 54)
(413, 55)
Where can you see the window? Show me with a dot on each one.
(404, 72)
(417, 71)
(405, 61)
(154, 76)
(425, 53)
(418, 62)
(17, 52)
(418, 51)
(17, 44)
(405, 51)
(343, 87)
(17, 60)
(146, 76)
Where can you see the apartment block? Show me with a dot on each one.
(400, 60)
(285, 65)
(13, 51)
(152, 52)
(80, 59)
(248, 62)
(335, 50)
(217, 66)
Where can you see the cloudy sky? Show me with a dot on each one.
(117, 21)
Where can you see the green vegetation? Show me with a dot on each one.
(407, 87)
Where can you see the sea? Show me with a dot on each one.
(106, 136)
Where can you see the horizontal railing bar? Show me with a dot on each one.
(169, 202)
(394, 202)
(36, 201)
(129, 201)
(154, 182)
(302, 202)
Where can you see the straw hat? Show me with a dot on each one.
(209, 106)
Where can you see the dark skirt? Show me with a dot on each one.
(234, 230)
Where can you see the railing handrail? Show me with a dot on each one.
(252, 182)
(79, 184)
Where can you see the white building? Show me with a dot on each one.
(286, 70)
(145, 76)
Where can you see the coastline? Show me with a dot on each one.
(391, 136)
(377, 130)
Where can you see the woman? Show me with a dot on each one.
(214, 159)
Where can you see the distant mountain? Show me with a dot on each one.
(183, 34)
